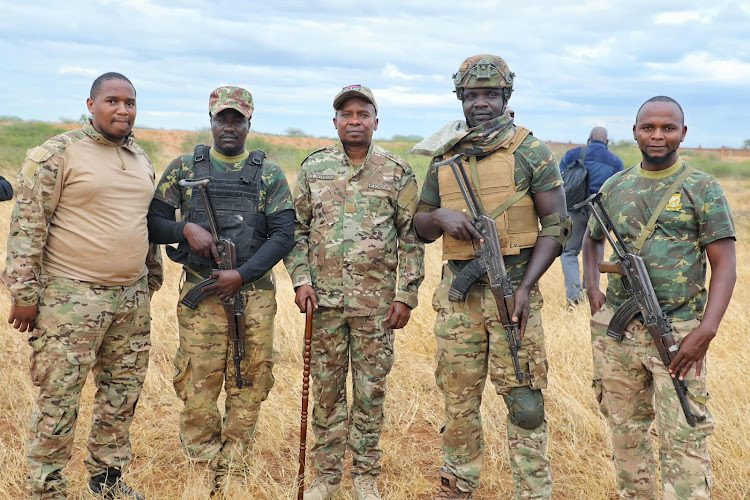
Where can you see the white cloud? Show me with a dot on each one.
(78, 71)
(683, 17)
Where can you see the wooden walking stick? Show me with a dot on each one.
(305, 392)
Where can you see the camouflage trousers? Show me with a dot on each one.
(472, 343)
(204, 363)
(82, 327)
(336, 340)
(634, 389)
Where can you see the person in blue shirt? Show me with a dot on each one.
(6, 190)
(601, 164)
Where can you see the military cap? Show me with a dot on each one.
(354, 91)
(229, 97)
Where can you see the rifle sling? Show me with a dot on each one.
(647, 231)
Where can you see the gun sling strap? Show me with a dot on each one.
(648, 230)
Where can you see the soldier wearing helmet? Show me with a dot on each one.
(518, 184)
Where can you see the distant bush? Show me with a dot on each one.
(17, 137)
(407, 138)
(295, 132)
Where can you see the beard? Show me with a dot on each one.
(659, 160)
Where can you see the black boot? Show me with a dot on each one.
(110, 485)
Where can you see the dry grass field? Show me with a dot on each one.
(579, 446)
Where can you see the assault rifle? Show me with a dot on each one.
(489, 262)
(642, 300)
(234, 307)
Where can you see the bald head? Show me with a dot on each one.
(598, 134)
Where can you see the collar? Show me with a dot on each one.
(661, 174)
(228, 159)
(89, 130)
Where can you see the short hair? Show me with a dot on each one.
(96, 87)
(662, 98)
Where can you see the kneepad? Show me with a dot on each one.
(525, 407)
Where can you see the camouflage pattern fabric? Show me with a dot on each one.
(354, 231)
(35, 207)
(630, 381)
(536, 168)
(82, 328)
(203, 364)
(274, 189)
(633, 389)
(336, 339)
(472, 343)
(467, 332)
(230, 97)
(674, 254)
(480, 140)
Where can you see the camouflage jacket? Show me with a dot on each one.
(674, 254)
(41, 194)
(354, 231)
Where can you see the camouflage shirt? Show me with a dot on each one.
(536, 168)
(274, 195)
(675, 253)
(52, 192)
(354, 231)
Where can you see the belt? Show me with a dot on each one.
(264, 283)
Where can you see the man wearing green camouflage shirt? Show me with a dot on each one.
(80, 271)
(631, 383)
(254, 207)
(354, 206)
(517, 181)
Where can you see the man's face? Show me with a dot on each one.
(355, 122)
(482, 105)
(659, 130)
(113, 110)
(229, 128)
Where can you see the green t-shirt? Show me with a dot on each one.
(674, 254)
(536, 168)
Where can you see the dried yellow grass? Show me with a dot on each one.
(579, 447)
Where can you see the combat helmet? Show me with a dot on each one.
(483, 71)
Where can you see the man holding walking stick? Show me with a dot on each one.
(354, 205)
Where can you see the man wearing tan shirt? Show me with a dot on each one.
(79, 271)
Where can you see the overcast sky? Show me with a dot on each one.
(577, 66)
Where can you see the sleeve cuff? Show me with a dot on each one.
(408, 298)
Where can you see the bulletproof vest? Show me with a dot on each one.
(235, 196)
(517, 226)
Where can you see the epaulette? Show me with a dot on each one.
(397, 159)
(317, 151)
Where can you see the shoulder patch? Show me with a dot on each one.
(38, 154)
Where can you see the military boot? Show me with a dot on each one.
(366, 487)
(110, 485)
(449, 490)
(321, 490)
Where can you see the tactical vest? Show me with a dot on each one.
(235, 196)
(517, 226)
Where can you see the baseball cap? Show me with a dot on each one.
(354, 91)
(229, 97)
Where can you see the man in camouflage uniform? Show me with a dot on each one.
(354, 204)
(254, 208)
(517, 181)
(79, 279)
(630, 381)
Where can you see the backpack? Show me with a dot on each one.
(576, 181)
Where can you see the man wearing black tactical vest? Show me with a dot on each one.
(254, 209)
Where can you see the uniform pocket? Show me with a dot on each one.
(181, 374)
